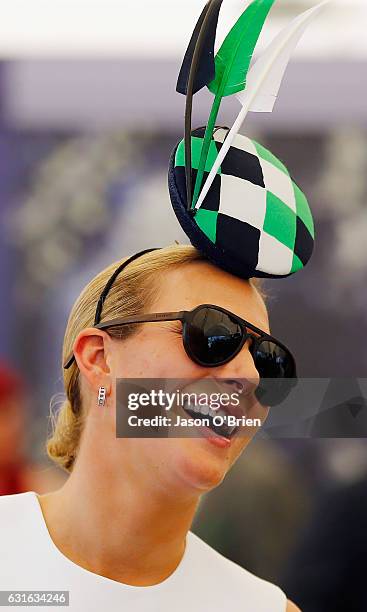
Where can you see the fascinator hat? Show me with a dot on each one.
(235, 200)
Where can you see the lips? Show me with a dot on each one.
(209, 386)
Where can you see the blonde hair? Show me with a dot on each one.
(133, 292)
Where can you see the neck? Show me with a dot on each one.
(120, 524)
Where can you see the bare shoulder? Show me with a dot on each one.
(291, 607)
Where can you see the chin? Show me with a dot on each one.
(201, 466)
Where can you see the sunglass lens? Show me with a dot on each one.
(272, 361)
(213, 336)
(277, 371)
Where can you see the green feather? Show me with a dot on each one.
(233, 59)
(232, 64)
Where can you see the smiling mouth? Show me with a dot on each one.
(207, 414)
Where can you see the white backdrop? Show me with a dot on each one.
(160, 28)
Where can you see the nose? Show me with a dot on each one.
(240, 372)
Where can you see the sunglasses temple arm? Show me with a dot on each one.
(153, 318)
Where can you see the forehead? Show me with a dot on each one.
(185, 287)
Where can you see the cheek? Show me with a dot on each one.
(155, 356)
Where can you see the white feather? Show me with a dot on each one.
(273, 63)
(263, 83)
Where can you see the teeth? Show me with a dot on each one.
(191, 407)
(221, 413)
(205, 410)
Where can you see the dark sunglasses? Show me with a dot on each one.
(213, 336)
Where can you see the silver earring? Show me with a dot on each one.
(101, 396)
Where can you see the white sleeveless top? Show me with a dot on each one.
(203, 581)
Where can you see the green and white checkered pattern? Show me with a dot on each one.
(254, 209)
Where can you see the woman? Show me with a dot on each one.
(117, 534)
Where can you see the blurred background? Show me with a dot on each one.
(88, 118)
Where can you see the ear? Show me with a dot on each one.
(91, 354)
